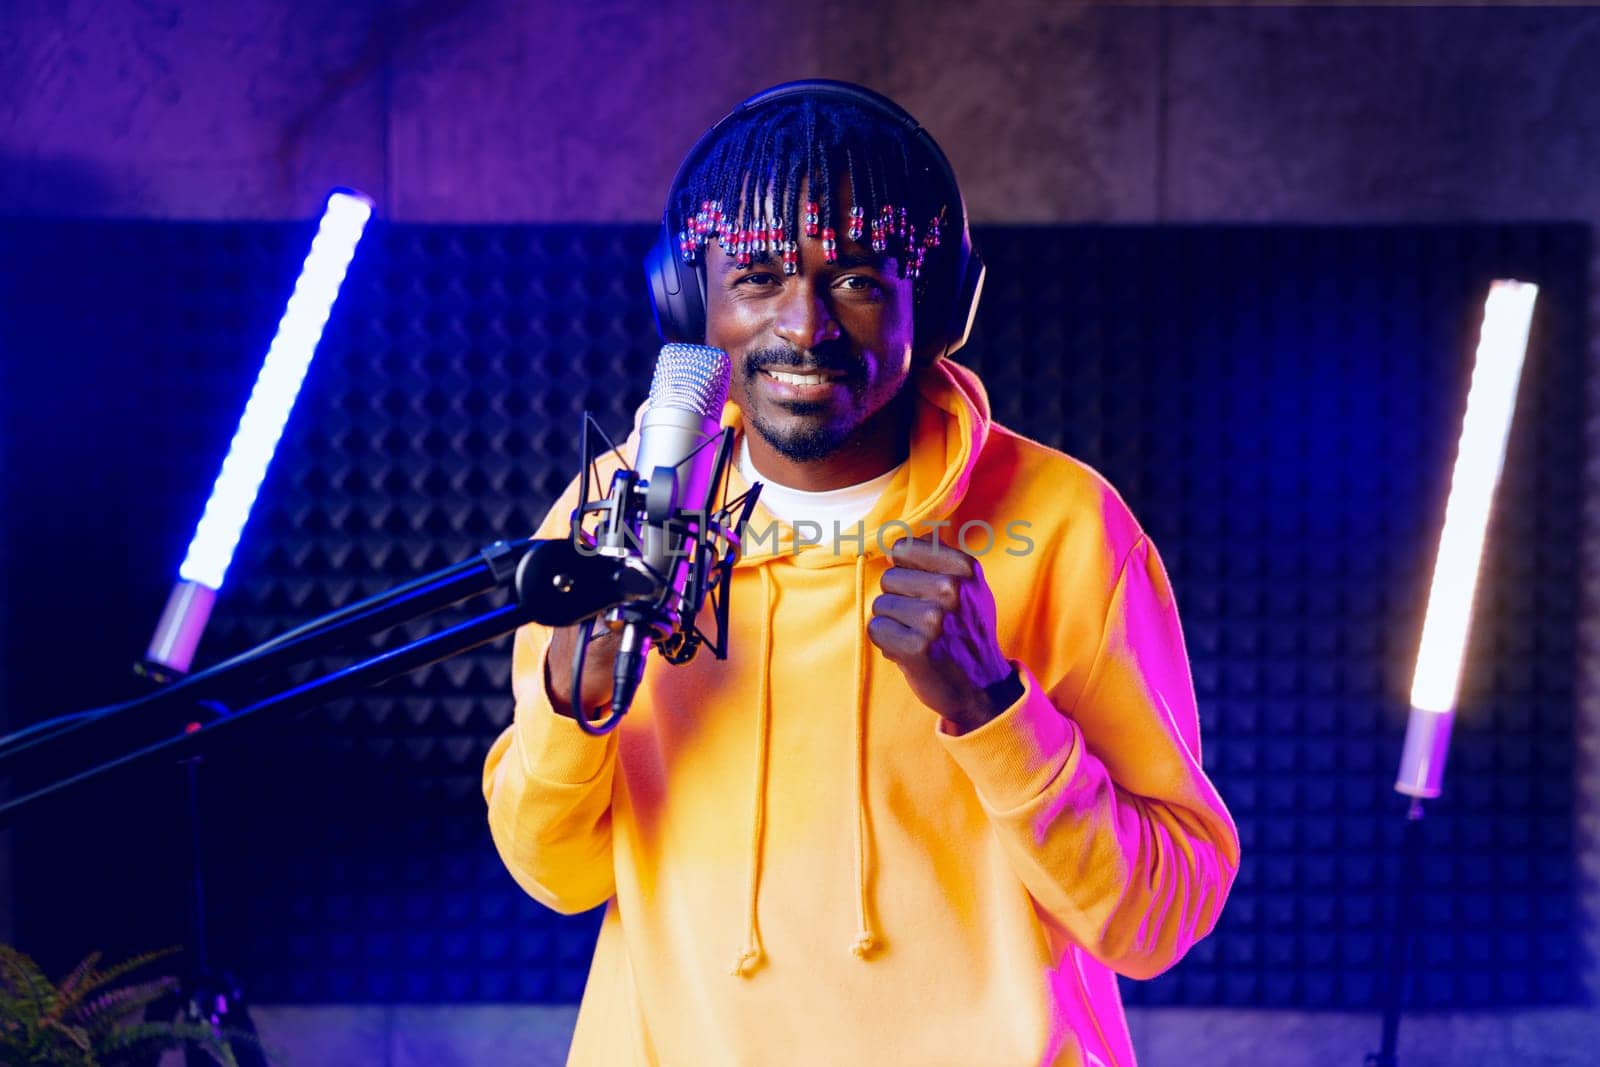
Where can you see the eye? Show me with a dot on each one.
(864, 284)
(756, 280)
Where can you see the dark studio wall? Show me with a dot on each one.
(1278, 404)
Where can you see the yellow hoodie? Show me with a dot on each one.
(799, 867)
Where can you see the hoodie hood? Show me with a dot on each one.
(950, 424)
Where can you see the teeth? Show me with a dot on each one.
(798, 379)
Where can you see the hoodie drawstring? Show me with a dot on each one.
(750, 955)
(866, 940)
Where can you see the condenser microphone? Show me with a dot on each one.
(676, 463)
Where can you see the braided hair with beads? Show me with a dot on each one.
(746, 192)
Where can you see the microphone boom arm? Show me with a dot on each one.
(553, 584)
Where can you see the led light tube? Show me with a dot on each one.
(260, 428)
(1491, 398)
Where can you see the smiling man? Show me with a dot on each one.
(947, 784)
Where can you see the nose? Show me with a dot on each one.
(805, 316)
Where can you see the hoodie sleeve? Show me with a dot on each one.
(548, 784)
(1098, 795)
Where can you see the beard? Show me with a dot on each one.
(813, 441)
(802, 444)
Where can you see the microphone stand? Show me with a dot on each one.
(209, 996)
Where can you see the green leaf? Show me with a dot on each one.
(28, 992)
(67, 988)
(128, 1042)
(75, 1034)
(102, 1014)
(98, 979)
(70, 1027)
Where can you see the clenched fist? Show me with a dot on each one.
(936, 621)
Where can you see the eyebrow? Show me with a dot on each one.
(846, 261)
(876, 260)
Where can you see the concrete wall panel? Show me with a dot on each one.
(1048, 111)
(174, 110)
(1331, 115)
(551, 112)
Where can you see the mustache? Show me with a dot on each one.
(788, 358)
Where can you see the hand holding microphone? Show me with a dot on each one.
(598, 664)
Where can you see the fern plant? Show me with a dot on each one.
(89, 1020)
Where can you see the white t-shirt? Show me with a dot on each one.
(844, 507)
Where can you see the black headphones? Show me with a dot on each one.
(943, 318)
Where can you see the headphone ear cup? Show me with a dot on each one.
(945, 314)
(677, 292)
(929, 327)
(964, 301)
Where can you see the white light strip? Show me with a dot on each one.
(1490, 401)
(276, 388)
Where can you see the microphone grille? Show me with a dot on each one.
(692, 377)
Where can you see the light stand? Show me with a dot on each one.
(1491, 398)
(172, 648)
